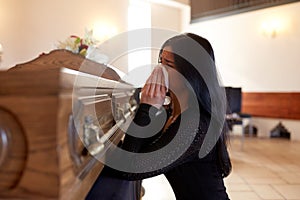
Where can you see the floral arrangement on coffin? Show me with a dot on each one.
(86, 46)
(79, 45)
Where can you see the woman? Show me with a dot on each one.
(192, 152)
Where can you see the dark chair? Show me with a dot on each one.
(234, 116)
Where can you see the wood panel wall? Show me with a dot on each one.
(272, 105)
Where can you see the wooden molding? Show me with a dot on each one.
(208, 9)
(272, 105)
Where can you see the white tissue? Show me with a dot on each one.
(166, 76)
(167, 100)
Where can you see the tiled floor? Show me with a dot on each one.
(264, 169)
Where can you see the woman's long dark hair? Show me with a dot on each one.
(194, 59)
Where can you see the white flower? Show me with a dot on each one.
(89, 39)
(79, 45)
(69, 44)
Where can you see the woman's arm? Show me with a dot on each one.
(147, 125)
(186, 142)
(149, 122)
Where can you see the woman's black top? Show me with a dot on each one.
(189, 176)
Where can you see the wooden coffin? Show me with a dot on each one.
(53, 120)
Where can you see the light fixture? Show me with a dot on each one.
(273, 26)
(103, 31)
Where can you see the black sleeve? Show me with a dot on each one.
(145, 115)
(187, 136)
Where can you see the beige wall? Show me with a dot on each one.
(185, 2)
(31, 27)
(12, 35)
(247, 57)
(167, 17)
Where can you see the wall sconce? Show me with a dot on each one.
(104, 31)
(273, 26)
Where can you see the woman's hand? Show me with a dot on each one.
(154, 91)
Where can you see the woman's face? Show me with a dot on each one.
(176, 83)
